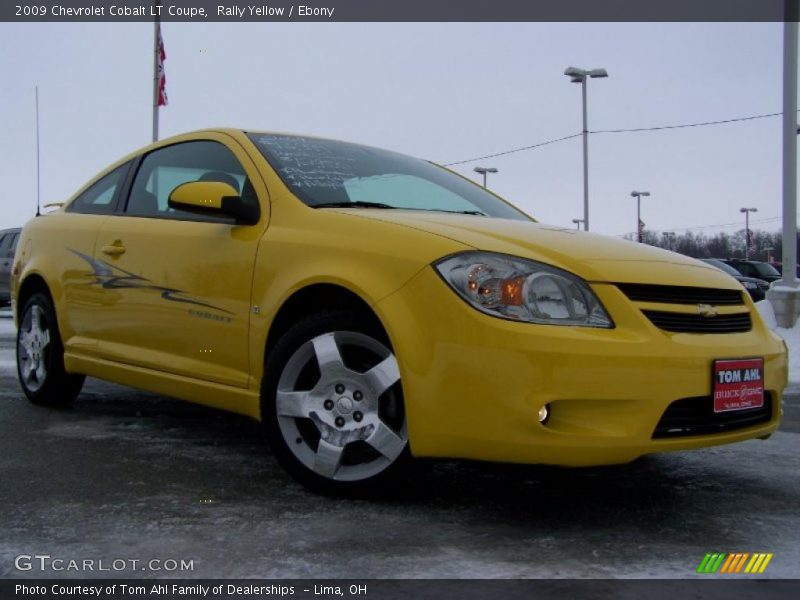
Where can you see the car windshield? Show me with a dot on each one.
(328, 173)
(722, 266)
(765, 269)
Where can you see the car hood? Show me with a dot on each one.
(594, 257)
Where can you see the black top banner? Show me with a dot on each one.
(397, 10)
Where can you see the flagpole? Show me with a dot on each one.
(156, 37)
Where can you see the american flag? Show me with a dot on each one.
(162, 76)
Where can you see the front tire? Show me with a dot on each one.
(332, 405)
(40, 356)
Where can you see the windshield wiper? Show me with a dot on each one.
(458, 212)
(356, 204)
(365, 204)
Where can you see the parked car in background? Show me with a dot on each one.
(757, 288)
(779, 268)
(8, 244)
(368, 307)
(754, 268)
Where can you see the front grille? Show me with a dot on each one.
(688, 323)
(696, 416)
(677, 294)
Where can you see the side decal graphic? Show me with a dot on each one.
(111, 277)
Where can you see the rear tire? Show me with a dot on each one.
(332, 405)
(40, 356)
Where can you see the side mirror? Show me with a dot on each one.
(212, 198)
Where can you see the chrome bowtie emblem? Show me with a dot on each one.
(706, 310)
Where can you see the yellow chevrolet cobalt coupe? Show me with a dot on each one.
(368, 307)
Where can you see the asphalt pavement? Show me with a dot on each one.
(129, 476)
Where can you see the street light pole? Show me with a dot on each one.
(585, 157)
(747, 212)
(580, 76)
(790, 45)
(577, 223)
(638, 196)
(483, 171)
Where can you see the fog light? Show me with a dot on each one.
(544, 412)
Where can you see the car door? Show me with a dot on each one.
(179, 285)
(71, 244)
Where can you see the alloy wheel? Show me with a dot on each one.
(339, 406)
(32, 348)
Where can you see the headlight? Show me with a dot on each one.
(750, 285)
(522, 290)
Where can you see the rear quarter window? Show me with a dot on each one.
(100, 197)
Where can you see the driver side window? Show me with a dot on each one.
(164, 169)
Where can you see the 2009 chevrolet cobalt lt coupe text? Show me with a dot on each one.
(368, 307)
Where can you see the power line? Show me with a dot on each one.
(684, 125)
(717, 226)
(635, 130)
(630, 130)
(721, 225)
(561, 139)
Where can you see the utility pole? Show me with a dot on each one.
(785, 298)
(789, 258)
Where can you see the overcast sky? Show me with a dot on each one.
(444, 92)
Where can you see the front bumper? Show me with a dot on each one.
(473, 384)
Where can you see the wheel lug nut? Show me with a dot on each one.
(328, 404)
(340, 421)
(339, 388)
(357, 395)
(357, 416)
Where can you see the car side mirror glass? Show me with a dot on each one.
(212, 198)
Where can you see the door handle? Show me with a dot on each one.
(114, 249)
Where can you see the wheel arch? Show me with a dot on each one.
(33, 283)
(313, 298)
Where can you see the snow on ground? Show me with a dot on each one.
(7, 328)
(792, 339)
(767, 314)
(8, 362)
(790, 336)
